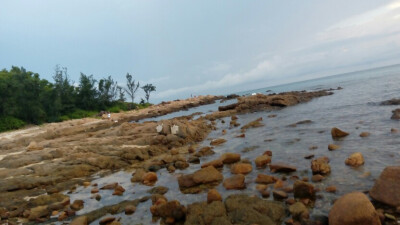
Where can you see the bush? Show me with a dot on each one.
(77, 114)
(10, 123)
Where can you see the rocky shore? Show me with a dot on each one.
(41, 166)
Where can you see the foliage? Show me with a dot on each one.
(131, 87)
(10, 123)
(148, 88)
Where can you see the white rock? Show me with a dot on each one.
(174, 129)
(159, 128)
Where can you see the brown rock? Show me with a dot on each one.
(77, 205)
(241, 168)
(94, 190)
(320, 166)
(213, 195)
(396, 114)
(280, 167)
(235, 182)
(207, 175)
(149, 178)
(355, 160)
(333, 147)
(317, 178)
(119, 190)
(130, 209)
(241, 136)
(331, 189)
(303, 189)
(181, 165)
(262, 161)
(33, 146)
(228, 158)
(309, 156)
(82, 220)
(253, 124)
(37, 213)
(279, 195)
(394, 130)
(215, 163)
(218, 141)
(106, 220)
(109, 186)
(313, 147)
(62, 216)
(365, 134)
(265, 179)
(265, 193)
(337, 133)
(86, 183)
(353, 209)
(387, 186)
(204, 151)
(268, 153)
(298, 210)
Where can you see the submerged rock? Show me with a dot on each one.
(253, 124)
(355, 160)
(353, 209)
(235, 182)
(365, 134)
(337, 133)
(387, 186)
(393, 101)
(280, 167)
(333, 147)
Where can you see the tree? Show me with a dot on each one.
(131, 87)
(148, 88)
(121, 94)
(87, 93)
(64, 91)
(107, 91)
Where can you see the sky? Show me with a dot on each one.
(202, 47)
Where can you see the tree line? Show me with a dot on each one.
(25, 98)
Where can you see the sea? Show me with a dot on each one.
(355, 108)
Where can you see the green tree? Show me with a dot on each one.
(64, 91)
(121, 94)
(148, 88)
(87, 92)
(107, 91)
(132, 87)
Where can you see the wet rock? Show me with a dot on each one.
(320, 166)
(207, 175)
(77, 205)
(171, 168)
(265, 179)
(253, 124)
(205, 151)
(130, 209)
(280, 167)
(138, 175)
(303, 189)
(265, 193)
(119, 190)
(82, 220)
(331, 189)
(393, 101)
(387, 186)
(396, 114)
(38, 212)
(86, 183)
(355, 160)
(62, 216)
(194, 160)
(333, 147)
(241, 135)
(235, 182)
(242, 209)
(215, 163)
(158, 190)
(262, 161)
(313, 147)
(109, 186)
(181, 165)
(309, 156)
(228, 158)
(337, 133)
(106, 220)
(149, 178)
(298, 211)
(213, 195)
(353, 209)
(94, 190)
(201, 213)
(33, 146)
(218, 141)
(268, 153)
(279, 195)
(365, 134)
(317, 178)
(167, 210)
(241, 168)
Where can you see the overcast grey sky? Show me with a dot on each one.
(199, 47)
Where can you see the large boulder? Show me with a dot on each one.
(320, 166)
(338, 133)
(387, 186)
(353, 209)
(203, 176)
(355, 160)
(201, 213)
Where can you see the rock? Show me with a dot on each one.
(241, 135)
(38, 212)
(279, 195)
(353, 209)
(171, 209)
(207, 175)
(262, 161)
(313, 147)
(106, 220)
(62, 216)
(213, 195)
(241, 168)
(82, 220)
(158, 190)
(186, 181)
(94, 190)
(171, 168)
(194, 160)
(33, 146)
(333, 147)
(355, 160)
(320, 166)
(337, 133)
(109, 186)
(394, 130)
(253, 124)
(218, 141)
(268, 153)
(137, 176)
(86, 183)
(309, 156)
(331, 189)
(215, 163)
(201, 213)
(387, 186)
(317, 178)
(119, 190)
(365, 134)
(228, 158)
(205, 151)
(396, 114)
(242, 209)
(265, 179)
(130, 209)
(280, 167)
(77, 205)
(181, 165)
(235, 182)
(392, 101)
(303, 189)
(149, 178)
(298, 210)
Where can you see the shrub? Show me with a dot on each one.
(10, 123)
